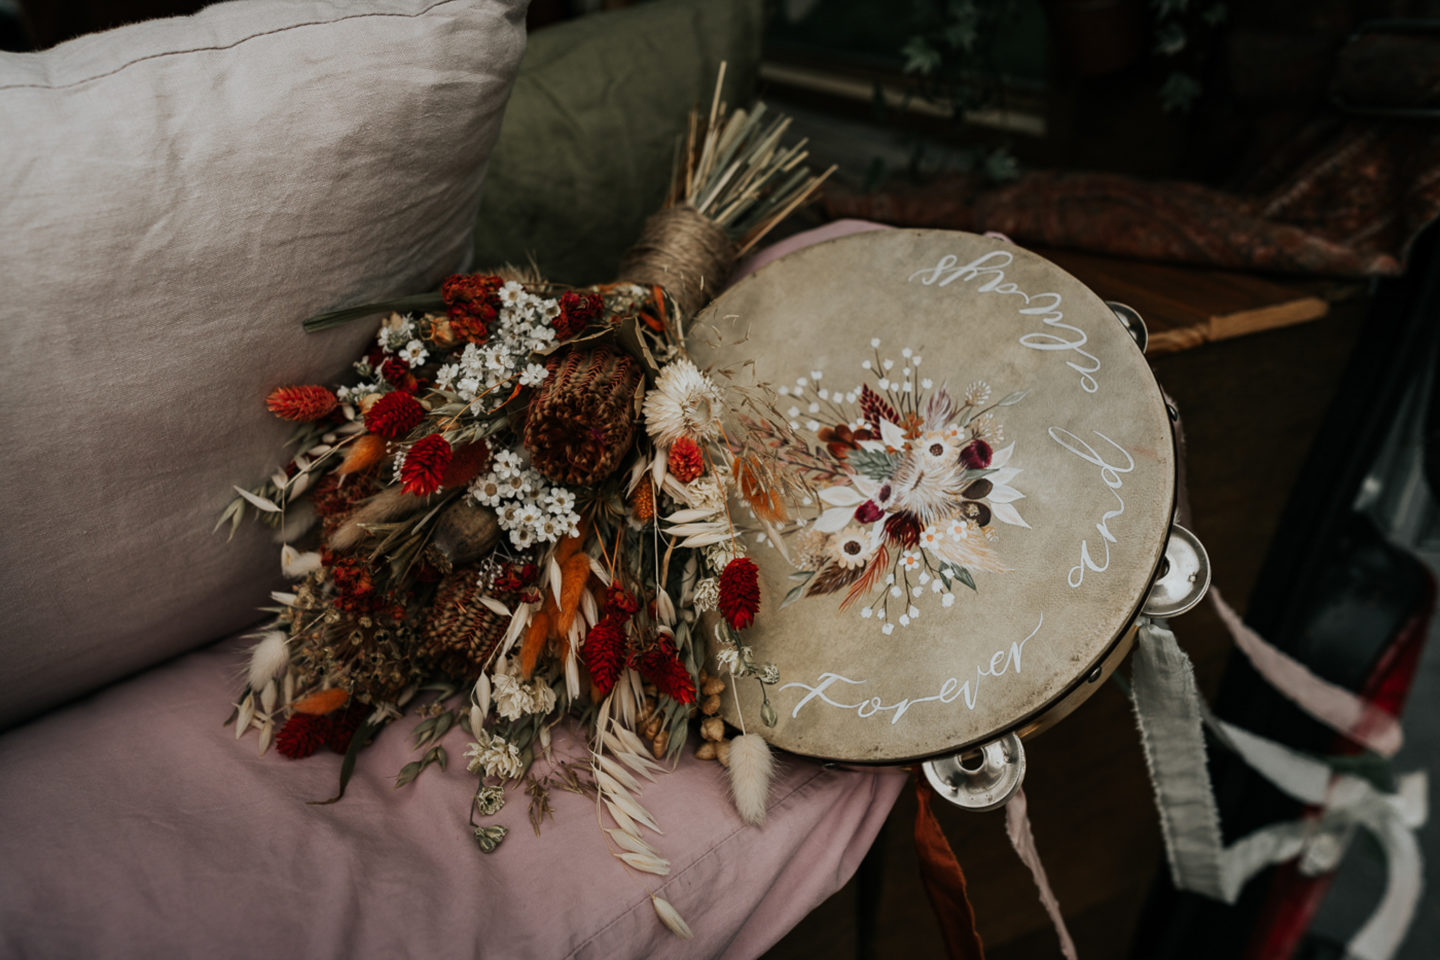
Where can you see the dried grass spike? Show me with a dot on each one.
(751, 767)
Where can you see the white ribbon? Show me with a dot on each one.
(1171, 717)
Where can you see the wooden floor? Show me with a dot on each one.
(1251, 409)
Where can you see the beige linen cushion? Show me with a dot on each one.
(175, 197)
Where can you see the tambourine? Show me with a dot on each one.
(992, 475)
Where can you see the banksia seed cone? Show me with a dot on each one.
(425, 464)
(301, 403)
(394, 415)
(582, 419)
(685, 461)
(740, 592)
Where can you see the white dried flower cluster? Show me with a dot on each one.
(523, 328)
(719, 555)
(707, 595)
(495, 755)
(527, 506)
(515, 698)
(683, 402)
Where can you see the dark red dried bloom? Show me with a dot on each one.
(395, 370)
(302, 735)
(976, 455)
(619, 602)
(394, 415)
(875, 408)
(661, 666)
(740, 592)
(868, 512)
(355, 590)
(604, 652)
(424, 465)
(514, 577)
(685, 461)
(301, 403)
(467, 464)
(903, 528)
(340, 729)
(473, 303)
(576, 312)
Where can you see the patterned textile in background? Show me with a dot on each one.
(1351, 207)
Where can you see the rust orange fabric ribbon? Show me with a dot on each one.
(944, 880)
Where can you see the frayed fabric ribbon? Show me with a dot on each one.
(943, 880)
(1017, 826)
(1334, 706)
(1172, 717)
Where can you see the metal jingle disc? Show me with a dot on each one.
(1134, 324)
(981, 779)
(1184, 576)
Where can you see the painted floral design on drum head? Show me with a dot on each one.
(916, 487)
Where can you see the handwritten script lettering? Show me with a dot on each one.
(1110, 476)
(1046, 306)
(1002, 661)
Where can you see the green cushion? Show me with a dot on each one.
(589, 137)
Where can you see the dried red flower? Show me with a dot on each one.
(514, 577)
(469, 461)
(740, 592)
(661, 666)
(576, 312)
(302, 735)
(394, 415)
(903, 528)
(685, 461)
(395, 370)
(301, 403)
(424, 465)
(619, 602)
(343, 724)
(976, 455)
(604, 652)
(473, 303)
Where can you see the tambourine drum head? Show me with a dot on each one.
(994, 477)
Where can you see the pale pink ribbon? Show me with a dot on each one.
(1017, 826)
(1333, 706)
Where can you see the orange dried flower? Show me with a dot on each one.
(301, 403)
(685, 461)
(322, 702)
(365, 451)
(642, 502)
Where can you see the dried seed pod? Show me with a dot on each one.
(710, 705)
(722, 752)
(582, 418)
(712, 687)
(660, 744)
(712, 728)
(465, 531)
(706, 751)
(650, 728)
(647, 709)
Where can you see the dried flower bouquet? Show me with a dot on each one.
(518, 510)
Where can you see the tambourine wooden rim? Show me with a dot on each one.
(989, 540)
